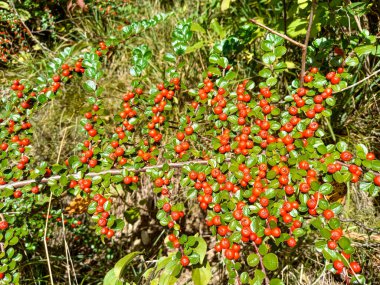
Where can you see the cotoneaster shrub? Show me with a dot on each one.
(253, 157)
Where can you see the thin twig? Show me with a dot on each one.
(27, 29)
(285, 16)
(278, 34)
(357, 83)
(45, 241)
(357, 20)
(66, 248)
(261, 264)
(360, 168)
(307, 37)
(359, 224)
(23, 183)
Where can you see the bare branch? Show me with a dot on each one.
(359, 82)
(278, 34)
(19, 184)
(304, 48)
(261, 264)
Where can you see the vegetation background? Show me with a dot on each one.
(32, 32)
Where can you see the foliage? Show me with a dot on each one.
(252, 152)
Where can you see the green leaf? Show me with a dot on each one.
(166, 278)
(299, 232)
(169, 57)
(195, 27)
(279, 51)
(194, 47)
(4, 5)
(344, 242)
(341, 146)
(375, 165)
(334, 223)
(361, 151)
(42, 98)
(13, 241)
(331, 101)
(276, 281)
(119, 225)
(110, 278)
(269, 58)
(24, 14)
(297, 27)
(194, 257)
(201, 248)
(217, 28)
(366, 49)
(89, 86)
(258, 279)
(352, 61)
(270, 261)
(271, 81)
(201, 275)
(122, 264)
(326, 189)
(265, 72)
(225, 5)
(253, 259)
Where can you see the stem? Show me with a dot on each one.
(347, 206)
(66, 248)
(44, 49)
(304, 48)
(113, 171)
(278, 34)
(45, 241)
(359, 224)
(261, 264)
(360, 168)
(360, 81)
(285, 17)
(330, 129)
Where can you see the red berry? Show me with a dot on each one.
(346, 156)
(331, 244)
(328, 214)
(355, 267)
(291, 242)
(376, 180)
(185, 261)
(3, 225)
(338, 265)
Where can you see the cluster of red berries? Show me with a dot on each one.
(19, 89)
(205, 197)
(245, 144)
(231, 251)
(102, 47)
(103, 215)
(88, 155)
(160, 103)
(130, 179)
(208, 87)
(163, 183)
(224, 140)
(184, 145)
(339, 266)
(91, 117)
(84, 184)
